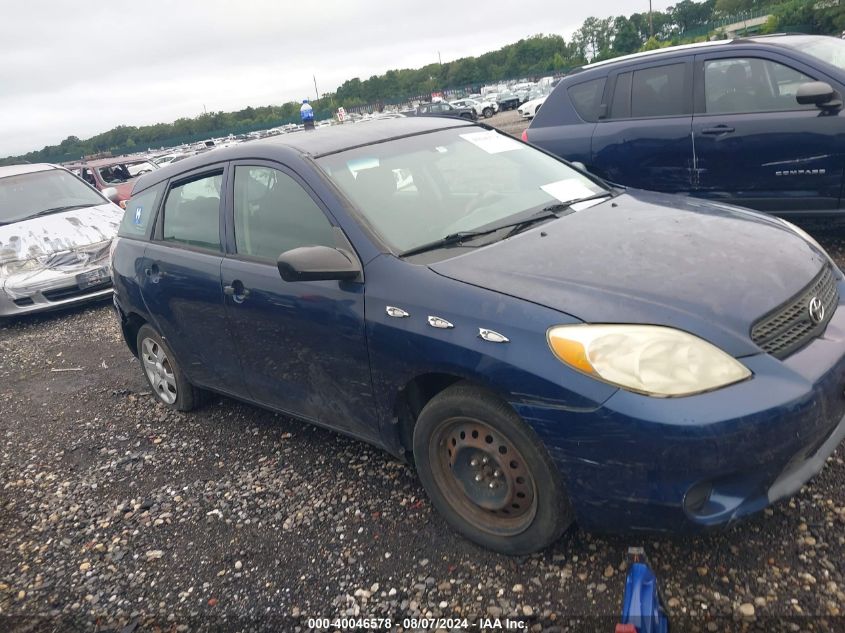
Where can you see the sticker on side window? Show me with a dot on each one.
(138, 211)
(493, 142)
(567, 190)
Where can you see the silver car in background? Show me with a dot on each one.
(55, 236)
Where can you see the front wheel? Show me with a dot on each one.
(487, 472)
(488, 112)
(163, 373)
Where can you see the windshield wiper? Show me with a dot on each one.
(563, 206)
(462, 236)
(67, 207)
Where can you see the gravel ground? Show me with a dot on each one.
(117, 514)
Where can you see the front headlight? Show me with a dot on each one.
(648, 359)
(14, 267)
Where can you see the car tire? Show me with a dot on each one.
(487, 472)
(466, 115)
(163, 373)
(487, 112)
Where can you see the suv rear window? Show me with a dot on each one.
(586, 98)
(659, 91)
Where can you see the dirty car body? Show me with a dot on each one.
(55, 235)
(364, 355)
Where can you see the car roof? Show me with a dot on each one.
(671, 50)
(27, 168)
(313, 143)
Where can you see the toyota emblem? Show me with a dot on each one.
(816, 310)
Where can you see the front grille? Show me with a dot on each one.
(74, 291)
(789, 327)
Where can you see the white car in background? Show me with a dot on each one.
(482, 108)
(528, 109)
(55, 235)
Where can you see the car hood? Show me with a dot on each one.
(58, 232)
(703, 267)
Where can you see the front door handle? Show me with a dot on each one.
(719, 129)
(237, 291)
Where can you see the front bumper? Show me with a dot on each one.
(681, 464)
(50, 289)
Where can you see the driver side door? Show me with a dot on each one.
(302, 344)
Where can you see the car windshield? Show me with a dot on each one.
(122, 172)
(416, 190)
(25, 196)
(828, 49)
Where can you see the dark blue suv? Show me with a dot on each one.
(541, 345)
(755, 122)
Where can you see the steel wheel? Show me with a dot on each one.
(159, 371)
(483, 476)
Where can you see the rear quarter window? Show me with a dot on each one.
(139, 213)
(586, 98)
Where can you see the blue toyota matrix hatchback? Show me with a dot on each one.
(543, 346)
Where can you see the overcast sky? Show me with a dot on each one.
(70, 68)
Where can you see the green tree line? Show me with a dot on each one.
(596, 39)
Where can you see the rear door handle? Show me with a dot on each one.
(237, 291)
(154, 273)
(719, 129)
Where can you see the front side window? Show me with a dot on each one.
(751, 85)
(416, 190)
(586, 98)
(659, 91)
(26, 196)
(192, 213)
(274, 214)
(139, 211)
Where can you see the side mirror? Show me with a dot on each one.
(111, 194)
(318, 263)
(818, 93)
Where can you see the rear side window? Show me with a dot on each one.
(586, 98)
(139, 211)
(659, 91)
(192, 212)
(620, 107)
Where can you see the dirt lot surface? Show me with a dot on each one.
(117, 514)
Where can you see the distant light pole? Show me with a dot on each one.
(316, 92)
(439, 61)
(650, 21)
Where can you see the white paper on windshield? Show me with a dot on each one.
(567, 190)
(492, 142)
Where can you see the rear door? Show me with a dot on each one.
(180, 280)
(302, 344)
(755, 145)
(645, 139)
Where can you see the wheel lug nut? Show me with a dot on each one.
(497, 473)
(492, 484)
(473, 462)
(479, 477)
(484, 460)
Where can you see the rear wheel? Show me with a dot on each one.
(488, 473)
(162, 371)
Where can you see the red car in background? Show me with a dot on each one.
(118, 173)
